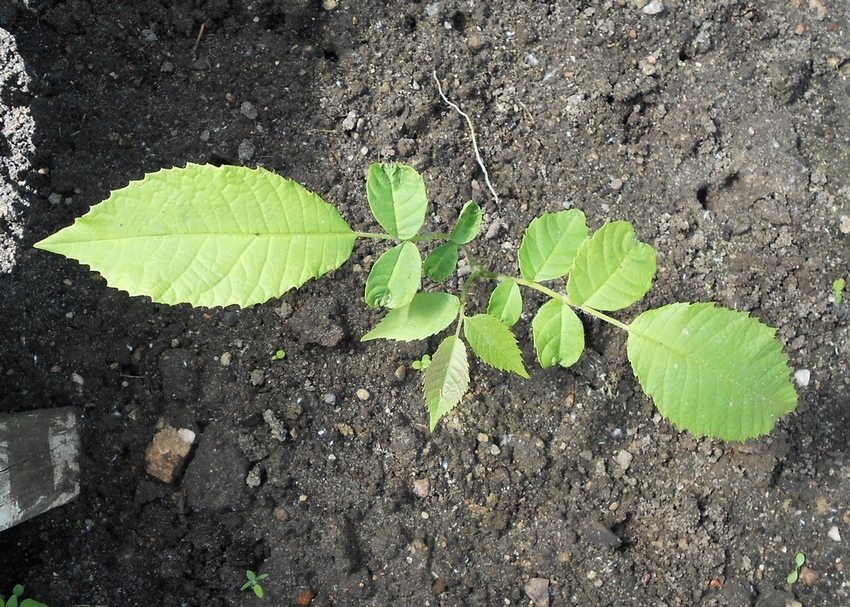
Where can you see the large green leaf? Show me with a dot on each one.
(550, 244)
(468, 223)
(397, 198)
(612, 269)
(209, 236)
(506, 302)
(395, 278)
(494, 343)
(426, 315)
(441, 262)
(446, 378)
(711, 370)
(558, 334)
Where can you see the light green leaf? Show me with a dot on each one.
(711, 370)
(441, 262)
(612, 269)
(397, 198)
(426, 315)
(558, 334)
(446, 379)
(468, 223)
(494, 343)
(209, 236)
(550, 243)
(395, 278)
(506, 302)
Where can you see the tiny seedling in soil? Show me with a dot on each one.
(254, 583)
(838, 291)
(227, 235)
(799, 561)
(279, 355)
(422, 363)
(15, 599)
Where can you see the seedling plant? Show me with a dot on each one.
(15, 599)
(254, 583)
(227, 235)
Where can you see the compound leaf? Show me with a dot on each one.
(468, 223)
(441, 262)
(550, 244)
(208, 236)
(426, 315)
(395, 278)
(397, 198)
(558, 334)
(446, 378)
(711, 370)
(494, 343)
(506, 302)
(612, 270)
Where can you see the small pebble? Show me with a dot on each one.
(329, 398)
(400, 372)
(616, 184)
(422, 487)
(537, 590)
(55, 198)
(808, 576)
(258, 377)
(225, 359)
(363, 394)
(624, 459)
(494, 450)
(802, 377)
(246, 150)
(834, 534)
(77, 378)
(281, 514)
(248, 110)
(653, 8)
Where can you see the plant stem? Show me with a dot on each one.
(417, 238)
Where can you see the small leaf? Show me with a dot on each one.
(793, 577)
(427, 314)
(208, 236)
(395, 278)
(550, 244)
(558, 334)
(800, 559)
(468, 223)
(506, 302)
(258, 590)
(494, 343)
(397, 198)
(446, 378)
(711, 370)
(612, 269)
(441, 262)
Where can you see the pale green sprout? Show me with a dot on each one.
(422, 363)
(219, 236)
(279, 355)
(838, 291)
(15, 599)
(799, 561)
(254, 583)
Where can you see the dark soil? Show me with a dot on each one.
(720, 128)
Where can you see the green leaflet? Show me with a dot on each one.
(494, 343)
(468, 223)
(395, 278)
(397, 198)
(558, 334)
(506, 302)
(441, 262)
(446, 378)
(550, 244)
(612, 269)
(426, 315)
(209, 236)
(711, 370)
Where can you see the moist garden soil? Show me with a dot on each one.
(720, 128)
